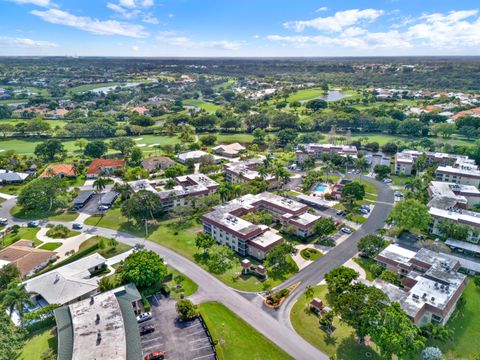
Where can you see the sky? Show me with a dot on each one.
(242, 28)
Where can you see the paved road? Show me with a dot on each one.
(315, 272)
(211, 289)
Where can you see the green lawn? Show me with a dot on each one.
(311, 254)
(39, 343)
(188, 286)
(400, 180)
(53, 123)
(108, 251)
(24, 233)
(182, 240)
(51, 246)
(231, 138)
(340, 344)
(365, 264)
(305, 94)
(465, 323)
(207, 106)
(19, 213)
(234, 338)
(83, 88)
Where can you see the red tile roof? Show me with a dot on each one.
(56, 169)
(99, 164)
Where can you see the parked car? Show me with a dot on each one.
(346, 230)
(144, 317)
(156, 355)
(103, 208)
(365, 206)
(341, 212)
(77, 226)
(146, 329)
(3, 221)
(33, 223)
(398, 194)
(387, 181)
(364, 211)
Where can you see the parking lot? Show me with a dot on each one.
(180, 340)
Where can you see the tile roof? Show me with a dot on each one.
(25, 257)
(55, 169)
(98, 164)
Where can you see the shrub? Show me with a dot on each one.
(58, 232)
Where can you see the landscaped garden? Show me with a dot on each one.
(21, 233)
(341, 344)
(40, 345)
(234, 338)
(310, 254)
(51, 246)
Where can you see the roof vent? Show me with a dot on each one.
(92, 300)
(97, 319)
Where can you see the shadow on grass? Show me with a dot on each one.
(349, 348)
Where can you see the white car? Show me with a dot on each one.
(387, 181)
(398, 194)
(3, 221)
(144, 317)
(346, 230)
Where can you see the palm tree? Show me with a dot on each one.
(100, 184)
(225, 190)
(15, 297)
(123, 189)
(262, 171)
(267, 162)
(77, 168)
(309, 292)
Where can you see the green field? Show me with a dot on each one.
(38, 344)
(305, 94)
(19, 213)
(24, 233)
(53, 123)
(188, 286)
(207, 106)
(234, 338)
(341, 344)
(182, 240)
(51, 246)
(231, 138)
(83, 88)
(108, 251)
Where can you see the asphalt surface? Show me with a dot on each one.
(275, 325)
(314, 273)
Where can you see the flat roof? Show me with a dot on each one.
(463, 245)
(265, 240)
(459, 215)
(398, 254)
(466, 170)
(83, 196)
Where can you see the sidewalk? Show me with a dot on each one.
(68, 244)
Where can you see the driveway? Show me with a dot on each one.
(187, 340)
(68, 244)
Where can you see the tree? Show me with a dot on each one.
(219, 258)
(476, 280)
(316, 104)
(8, 273)
(95, 149)
(122, 144)
(309, 292)
(208, 140)
(186, 310)
(15, 297)
(278, 257)
(259, 136)
(326, 321)
(136, 173)
(11, 338)
(123, 189)
(81, 143)
(371, 245)
(176, 170)
(355, 190)
(324, 227)
(50, 150)
(44, 194)
(411, 214)
(431, 353)
(135, 156)
(142, 206)
(396, 334)
(5, 112)
(144, 268)
(286, 136)
(339, 279)
(100, 183)
(390, 148)
(204, 241)
(382, 171)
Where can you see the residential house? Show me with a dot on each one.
(59, 170)
(246, 171)
(460, 173)
(445, 195)
(12, 177)
(100, 167)
(195, 156)
(229, 150)
(306, 151)
(103, 326)
(25, 257)
(155, 163)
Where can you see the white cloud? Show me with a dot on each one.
(95, 26)
(169, 38)
(128, 3)
(125, 13)
(135, 48)
(24, 42)
(149, 18)
(337, 22)
(170, 15)
(43, 3)
(320, 9)
(147, 3)
(456, 29)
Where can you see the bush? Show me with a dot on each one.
(58, 232)
(186, 309)
(146, 304)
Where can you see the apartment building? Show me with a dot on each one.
(246, 171)
(188, 188)
(306, 151)
(466, 218)
(431, 283)
(405, 160)
(225, 224)
(445, 195)
(461, 173)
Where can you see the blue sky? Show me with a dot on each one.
(239, 28)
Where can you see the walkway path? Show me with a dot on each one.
(68, 244)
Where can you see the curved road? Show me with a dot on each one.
(275, 325)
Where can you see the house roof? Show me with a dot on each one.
(25, 257)
(7, 175)
(153, 162)
(68, 282)
(56, 169)
(232, 149)
(99, 164)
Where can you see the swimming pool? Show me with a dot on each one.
(320, 188)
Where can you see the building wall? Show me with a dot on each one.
(474, 235)
(457, 179)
